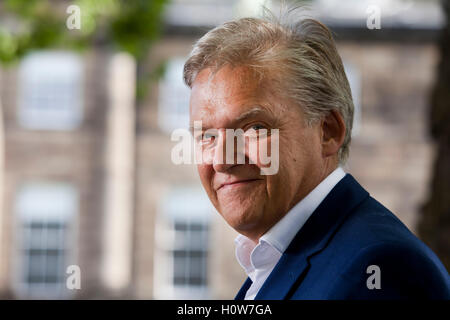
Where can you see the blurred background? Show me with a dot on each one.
(87, 111)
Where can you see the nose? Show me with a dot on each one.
(220, 163)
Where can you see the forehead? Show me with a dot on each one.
(225, 94)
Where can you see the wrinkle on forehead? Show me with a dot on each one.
(244, 78)
(214, 93)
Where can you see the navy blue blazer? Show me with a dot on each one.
(329, 258)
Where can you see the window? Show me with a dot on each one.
(190, 255)
(182, 245)
(173, 98)
(44, 252)
(50, 91)
(45, 212)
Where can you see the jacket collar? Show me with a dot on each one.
(311, 239)
(241, 294)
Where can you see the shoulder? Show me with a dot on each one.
(370, 224)
(378, 244)
(390, 270)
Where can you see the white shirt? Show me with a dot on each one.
(259, 260)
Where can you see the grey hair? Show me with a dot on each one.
(301, 54)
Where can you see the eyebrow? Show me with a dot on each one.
(247, 114)
(243, 116)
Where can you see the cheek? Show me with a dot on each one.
(294, 154)
(299, 146)
(205, 173)
(251, 150)
(204, 154)
(299, 157)
(259, 151)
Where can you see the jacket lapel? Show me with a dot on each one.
(310, 240)
(241, 294)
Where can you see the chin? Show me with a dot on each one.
(242, 210)
(243, 218)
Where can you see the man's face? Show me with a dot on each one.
(250, 202)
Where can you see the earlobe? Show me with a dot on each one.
(333, 133)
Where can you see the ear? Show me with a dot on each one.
(333, 133)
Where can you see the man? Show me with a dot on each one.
(310, 231)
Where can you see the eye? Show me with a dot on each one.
(257, 127)
(206, 138)
(257, 130)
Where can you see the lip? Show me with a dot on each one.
(237, 183)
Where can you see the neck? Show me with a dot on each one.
(255, 233)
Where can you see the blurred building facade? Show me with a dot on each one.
(88, 177)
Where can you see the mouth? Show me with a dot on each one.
(239, 183)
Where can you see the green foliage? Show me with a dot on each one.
(138, 21)
(125, 25)
(29, 24)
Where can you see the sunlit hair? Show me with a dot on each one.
(299, 57)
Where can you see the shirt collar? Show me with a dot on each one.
(256, 258)
(244, 249)
(281, 234)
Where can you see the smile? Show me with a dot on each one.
(237, 184)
